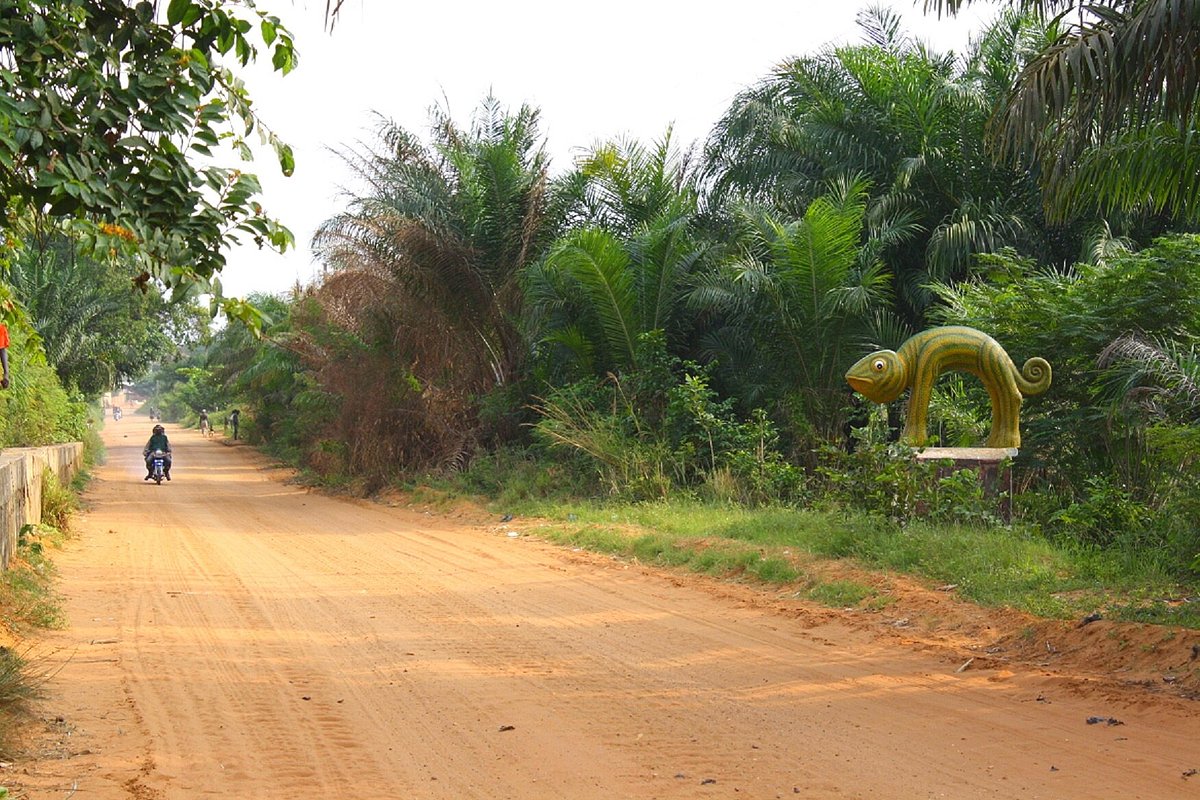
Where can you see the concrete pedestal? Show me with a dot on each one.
(987, 462)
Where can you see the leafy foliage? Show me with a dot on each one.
(627, 269)
(1107, 108)
(910, 122)
(664, 428)
(1109, 431)
(795, 306)
(108, 117)
(95, 327)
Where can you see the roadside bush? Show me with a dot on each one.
(662, 428)
(35, 409)
(1115, 439)
(1105, 514)
(887, 480)
(1070, 318)
(596, 429)
(880, 479)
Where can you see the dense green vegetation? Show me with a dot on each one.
(113, 121)
(656, 323)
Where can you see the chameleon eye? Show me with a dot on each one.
(879, 365)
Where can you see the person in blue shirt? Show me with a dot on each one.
(158, 441)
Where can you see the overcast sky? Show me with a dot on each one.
(596, 70)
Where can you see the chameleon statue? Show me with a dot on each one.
(885, 374)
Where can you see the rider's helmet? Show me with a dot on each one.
(159, 429)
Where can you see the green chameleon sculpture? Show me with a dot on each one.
(885, 374)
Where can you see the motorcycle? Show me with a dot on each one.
(158, 466)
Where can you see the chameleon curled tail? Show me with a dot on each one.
(885, 374)
(1034, 377)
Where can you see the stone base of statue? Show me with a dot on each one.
(990, 463)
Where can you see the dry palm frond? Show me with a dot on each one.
(1158, 376)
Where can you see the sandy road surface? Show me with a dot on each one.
(234, 636)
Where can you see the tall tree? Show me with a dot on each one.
(109, 115)
(424, 270)
(909, 120)
(1107, 110)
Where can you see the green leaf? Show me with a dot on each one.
(177, 10)
(243, 50)
(269, 31)
(284, 58)
(287, 161)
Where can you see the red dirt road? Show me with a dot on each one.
(232, 635)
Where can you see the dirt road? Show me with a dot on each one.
(232, 635)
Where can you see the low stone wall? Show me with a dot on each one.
(21, 471)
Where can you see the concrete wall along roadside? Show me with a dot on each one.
(21, 471)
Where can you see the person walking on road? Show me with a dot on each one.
(4, 354)
(233, 421)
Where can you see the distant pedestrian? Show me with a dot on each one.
(4, 354)
(233, 421)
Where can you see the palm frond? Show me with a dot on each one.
(1162, 376)
(972, 228)
(1102, 245)
(596, 260)
(1156, 169)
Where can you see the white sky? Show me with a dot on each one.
(596, 71)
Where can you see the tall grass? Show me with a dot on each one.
(26, 587)
(20, 682)
(58, 503)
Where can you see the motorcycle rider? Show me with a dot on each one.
(158, 441)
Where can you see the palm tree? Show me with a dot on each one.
(446, 229)
(422, 293)
(626, 270)
(1107, 109)
(1160, 376)
(908, 119)
(799, 304)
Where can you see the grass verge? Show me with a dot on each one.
(28, 601)
(994, 566)
(26, 587)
